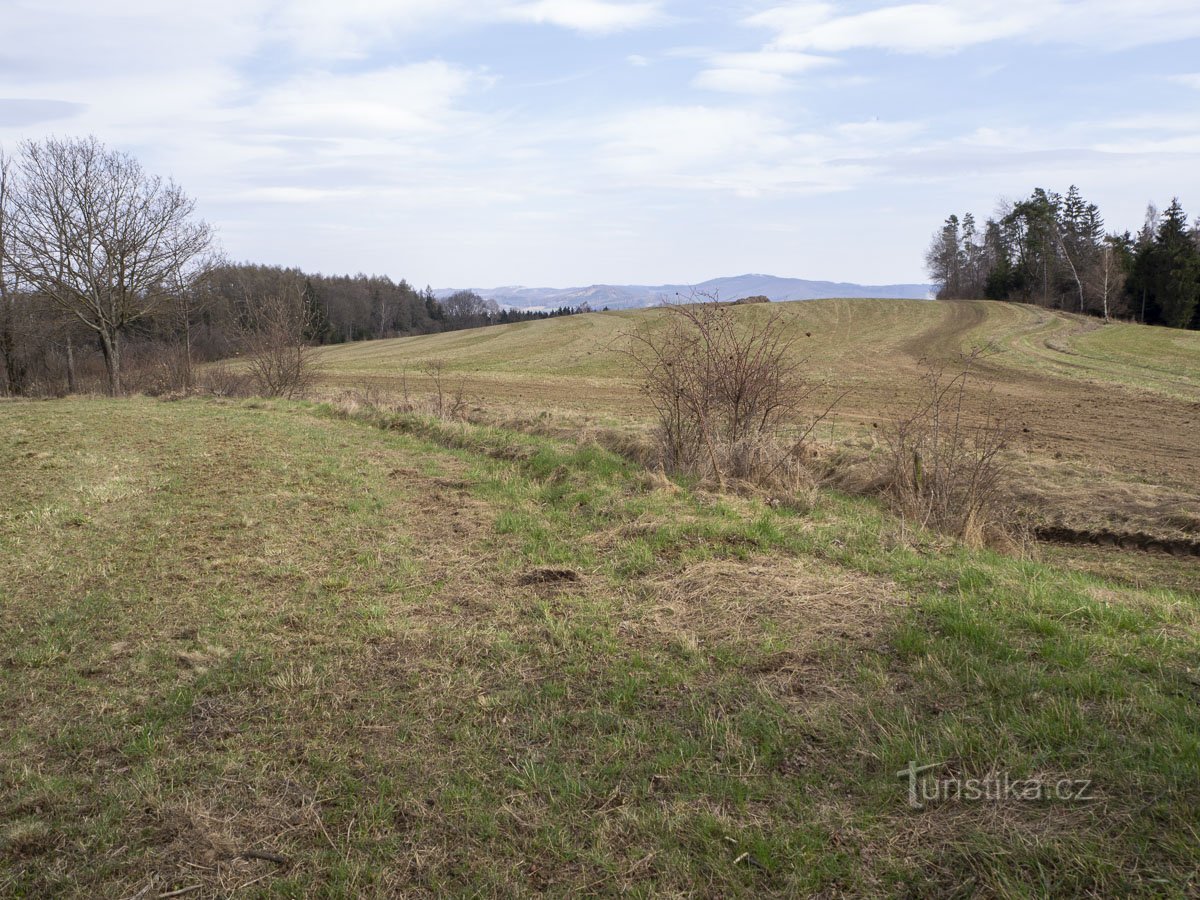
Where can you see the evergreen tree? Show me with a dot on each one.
(944, 259)
(1176, 269)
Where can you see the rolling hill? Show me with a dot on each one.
(598, 296)
(269, 648)
(1081, 395)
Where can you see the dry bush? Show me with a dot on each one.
(275, 346)
(449, 400)
(942, 469)
(728, 392)
(156, 369)
(223, 380)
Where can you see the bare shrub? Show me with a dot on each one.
(223, 380)
(275, 345)
(449, 399)
(156, 369)
(943, 469)
(728, 391)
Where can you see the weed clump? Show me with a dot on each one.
(942, 470)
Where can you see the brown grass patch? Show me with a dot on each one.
(732, 599)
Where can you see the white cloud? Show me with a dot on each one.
(596, 16)
(1191, 80)
(741, 81)
(762, 72)
(741, 151)
(417, 99)
(952, 25)
(914, 28)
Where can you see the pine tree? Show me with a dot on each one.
(1176, 277)
(944, 259)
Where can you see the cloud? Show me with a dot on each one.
(951, 25)
(1191, 80)
(417, 99)
(741, 151)
(762, 72)
(593, 16)
(21, 111)
(912, 28)
(741, 81)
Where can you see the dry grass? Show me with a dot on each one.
(943, 470)
(282, 650)
(1087, 411)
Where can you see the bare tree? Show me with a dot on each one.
(1107, 279)
(99, 237)
(192, 296)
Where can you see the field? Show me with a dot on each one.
(1107, 418)
(292, 649)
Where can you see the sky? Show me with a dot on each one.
(480, 143)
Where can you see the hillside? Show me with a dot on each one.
(635, 296)
(264, 649)
(1084, 398)
(272, 648)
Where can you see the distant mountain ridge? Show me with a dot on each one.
(635, 296)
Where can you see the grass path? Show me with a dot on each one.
(260, 648)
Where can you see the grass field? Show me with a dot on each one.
(1106, 417)
(858, 341)
(272, 649)
(265, 649)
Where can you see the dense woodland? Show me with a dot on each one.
(1054, 250)
(109, 282)
(46, 351)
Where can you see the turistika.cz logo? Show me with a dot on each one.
(924, 786)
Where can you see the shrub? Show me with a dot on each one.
(222, 380)
(942, 469)
(278, 357)
(449, 400)
(727, 389)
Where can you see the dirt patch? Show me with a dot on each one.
(1061, 534)
(548, 576)
(943, 339)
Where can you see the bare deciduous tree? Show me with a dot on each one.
(99, 237)
(1107, 280)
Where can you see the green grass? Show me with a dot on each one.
(408, 656)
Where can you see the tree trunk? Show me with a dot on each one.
(13, 370)
(1107, 271)
(72, 385)
(110, 346)
(187, 349)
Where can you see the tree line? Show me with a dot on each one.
(1054, 250)
(108, 278)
